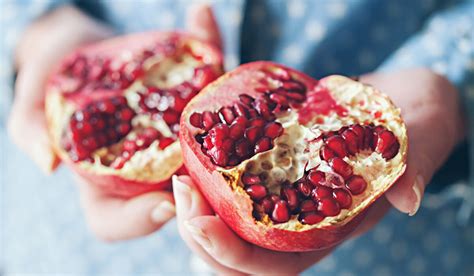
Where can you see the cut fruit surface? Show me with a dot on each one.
(113, 108)
(291, 163)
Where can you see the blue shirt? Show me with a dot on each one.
(43, 227)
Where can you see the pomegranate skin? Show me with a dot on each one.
(116, 184)
(219, 186)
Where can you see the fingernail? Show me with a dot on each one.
(418, 190)
(163, 212)
(198, 235)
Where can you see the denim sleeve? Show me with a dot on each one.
(14, 18)
(446, 45)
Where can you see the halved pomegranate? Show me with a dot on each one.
(113, 108)
(290, 163)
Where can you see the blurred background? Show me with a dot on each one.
(42, 227)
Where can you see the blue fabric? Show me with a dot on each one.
(43, 226)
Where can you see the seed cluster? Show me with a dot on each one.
(321, 194)
(238, 131)
(101, 123)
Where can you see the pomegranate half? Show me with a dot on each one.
(113, 108)
(288, 162)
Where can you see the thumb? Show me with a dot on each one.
(200, 22)
(113, 218)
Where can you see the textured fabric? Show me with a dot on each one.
(43, 226)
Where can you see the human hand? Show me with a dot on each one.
(44, 43)
(431, 110)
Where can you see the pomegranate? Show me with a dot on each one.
(288, 162)
(113, 108)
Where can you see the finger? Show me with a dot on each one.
(202, 23)
(27, 119)
(190, 204)
(374, 214)
(216, 238)
(113, 219)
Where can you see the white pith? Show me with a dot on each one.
(151, 164)
(288, 157)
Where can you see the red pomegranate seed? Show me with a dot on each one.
(308, 205)
(226, 114)
(351, 140)
(241, 120)
(392, 151)
(165, 141)
(273, 130)
(246, 99)
(385, 139)
(218, 134)
(207, 143)
(253, 113)
(291, 196)
(123, 128)
(251, 179)
(129, 146)
(329, 207)
(326, 153)
(236, 131)
(337, 144)
(304, 188)
(279, 99)
(242, 148)
(268, 204)
(219, 157)
(171, 117)
(263, 144)
(293, 85)
(151, 133)
(227, 146)
(310, 218)
(320, 192)
(356, 184)
(368, 138)
(293, 96)
(359, 131)
(253, 134)
(341, 167)
(335, 179)
(233, 161)
(107, 107)
(263, 109)
(257, 192)
(208, 120)
(280, 212)
(258, 122)
(118, 163)
(343, 198)
(240, 110)
(196, 120)
(316, 177)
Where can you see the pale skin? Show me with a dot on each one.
(429, 104)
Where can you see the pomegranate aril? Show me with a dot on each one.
(273, 130)
(368, 138)
(281, 213)
(227, 146)
(196, 120)
(337, 144)
(304, 188)
(207, 143)
(310, 218)
(267, 204)
(342, 197)
(250, 179)
(279, 99)
(326, 153)
(226, 114)
(356, 184)
(341, 167)
(240, 110)
(129, 146)
(253, 134)
(263, 144)
(359, 131)
(258, 122)
(242, 148)
(320, 192)
(165, 142)
(208, 120)
(329, 207)
(256, 192)
(171, 117)
(263, 109)
(392, 151)
(291, 196)
(218, 156)
(308, 206)
(316, 177)
(240, 120)
(352, 141)
(236, 131)
(385, 140)
(246, 99)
